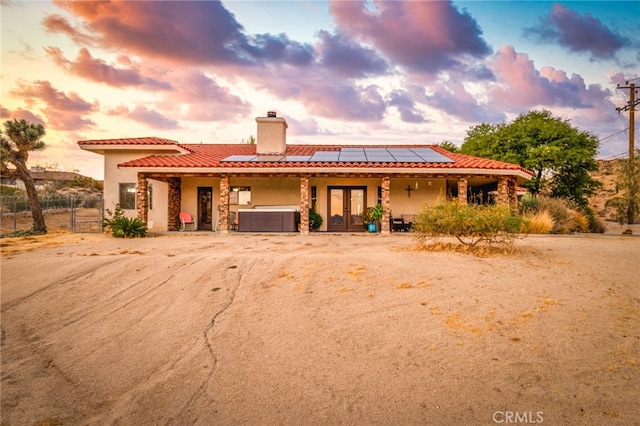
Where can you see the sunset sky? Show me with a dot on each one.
(339, 71)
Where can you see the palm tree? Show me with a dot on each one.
(16, 141)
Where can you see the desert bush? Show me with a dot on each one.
(121, 226)
(529, 204)
(565, 219)
(539, 223)
(580, 221)
(469, 224)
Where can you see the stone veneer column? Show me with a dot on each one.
(304, 205)
(224, 204)
(513, 195)
(503, 191)
(174, 204)
(142, 202)
(462, 191)
(386, 205)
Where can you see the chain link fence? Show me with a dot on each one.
(75, 213)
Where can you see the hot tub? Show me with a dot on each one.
(269, 219)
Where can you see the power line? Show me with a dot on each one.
(616, 133)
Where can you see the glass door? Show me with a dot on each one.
(205, 211)
(346, 207)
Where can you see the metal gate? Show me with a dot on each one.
(74, 213)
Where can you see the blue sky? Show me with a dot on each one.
(338, 71)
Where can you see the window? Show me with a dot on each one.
(314, 198)
(128, 196)
(150, 196)
(240, 195)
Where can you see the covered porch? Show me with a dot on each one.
(216, 198)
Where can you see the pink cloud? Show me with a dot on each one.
(20, 114)
(149, 117)
(522, 85)
(205, 99)
(99, 71)
(345, 57)
(578, 33)
(62, 111)
(426, 36)
(194, 32)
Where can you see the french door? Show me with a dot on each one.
(205, 211)
(346, 207)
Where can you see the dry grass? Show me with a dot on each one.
(540, 223)
(477, 250)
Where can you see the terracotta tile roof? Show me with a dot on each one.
(130, 141)
(211, 156)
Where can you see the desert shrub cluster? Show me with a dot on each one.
(470, 224)
(547, 215)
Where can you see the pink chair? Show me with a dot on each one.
(186, 219)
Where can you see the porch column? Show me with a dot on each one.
(513, 195)
(503, 191)
(224, 204)
(142, 203)
(304, 205)
(174, 203)
(462, 191)
(386, 205)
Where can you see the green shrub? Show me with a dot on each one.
(469, 224)
(121, 226)
(529, 204)
(315, 220)
(125, 227)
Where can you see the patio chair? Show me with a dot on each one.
(186, 219)
(397, 224)
(407, 220)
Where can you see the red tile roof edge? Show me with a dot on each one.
(201, 156)
(151, 140)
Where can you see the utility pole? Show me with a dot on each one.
(631, 108)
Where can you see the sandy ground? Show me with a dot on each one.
(318, 330)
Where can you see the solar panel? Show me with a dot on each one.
(347, 154)
(352, 156)
(268, 158)
(325, 156)
(239, 158)
(297, 158)
(431, 156)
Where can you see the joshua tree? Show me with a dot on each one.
(16, 141)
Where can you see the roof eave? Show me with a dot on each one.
(102, 148)
(521, 175)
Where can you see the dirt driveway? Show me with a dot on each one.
(318, 330)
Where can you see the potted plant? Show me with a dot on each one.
(374, 215)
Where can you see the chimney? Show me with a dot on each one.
(272, 134)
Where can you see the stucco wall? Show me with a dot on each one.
(113, 177)
(157, 213)
(425, 194)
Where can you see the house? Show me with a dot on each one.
(41, 178)
(258, 186)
